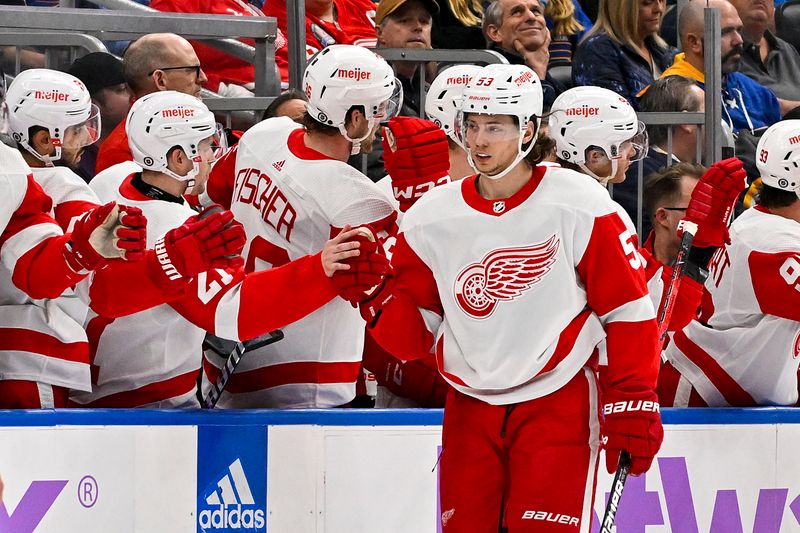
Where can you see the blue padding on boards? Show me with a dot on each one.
(338, 417)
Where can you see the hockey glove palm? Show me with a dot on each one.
(204, 242)
(632, 422)
(416, 156)
(367, 270)
(712, 202)
(108, 231)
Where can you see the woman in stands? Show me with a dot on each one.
(623, 51)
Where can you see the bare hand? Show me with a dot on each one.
(536, 59)
(338, 249)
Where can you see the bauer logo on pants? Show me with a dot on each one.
(231, 479)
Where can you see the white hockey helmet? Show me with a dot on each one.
(443, 100)
(160, 121)
(778, 156)
(341, 76)
(56, 101)
(501, 89)
(584, 117)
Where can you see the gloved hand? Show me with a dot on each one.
(712, 202)
(108, 231)
(632, 422)
(367, 270)
(211, 239)
(416, 156)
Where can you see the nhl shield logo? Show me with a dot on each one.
(499, 207)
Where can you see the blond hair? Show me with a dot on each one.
(562, 13)
(620, 20)
(468, 12)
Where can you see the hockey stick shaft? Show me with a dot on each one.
(671, 293)
(618, 485)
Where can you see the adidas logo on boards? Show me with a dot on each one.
(231, 505)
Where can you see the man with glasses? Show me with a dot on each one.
(154, 62)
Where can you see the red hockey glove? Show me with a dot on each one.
(107, 232)
(367, 270)
(416, 156)
(632, 422)
(373, 305)
(203, 242)
(712, 202)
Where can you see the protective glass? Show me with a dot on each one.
(3, 107)
(391, 107)
(84, 133)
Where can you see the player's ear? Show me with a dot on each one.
(41, 142)
(176, 159)
(660, 216)
(528, 135)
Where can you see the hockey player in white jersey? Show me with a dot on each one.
(293, 191)
(515, 275)
(44, 350)
(743, 349)
(174, 138)
(598, 133)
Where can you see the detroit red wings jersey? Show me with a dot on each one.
(291, 199)
(748, 352)
(516, 294)
(45, 340)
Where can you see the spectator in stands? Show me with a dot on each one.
(406, 24)
(327, 22)
(623, 51)
(459, 25)
(227, 75)
(154, 62)
(746, 103)
(568, 24)
(768, 59)
(670, 94)
(102, 75)
(517, 30)
(291, 103)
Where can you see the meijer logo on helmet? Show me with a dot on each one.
(54, 95)
(523, 78)
(459, 80)
(794, 140)
(583, 111)
(178, 112)
(353, 74)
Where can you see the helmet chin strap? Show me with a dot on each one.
(604, 180)
(356, 146)
(520, 156)
(46, 159)
(189, 178)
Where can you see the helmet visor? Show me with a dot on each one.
(390, 107)
(83, 133)
(214, 147)
(476, 130)
(639, 143)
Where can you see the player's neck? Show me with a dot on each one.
(333, 146)
(507, 186)
(165, 183)
(459, 165)
(791, 212)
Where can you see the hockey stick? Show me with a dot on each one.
(623, 468)
(232, 361)
(668, 302)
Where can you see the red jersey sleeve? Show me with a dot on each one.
(221, 180)
(776, 282)
(401, 329)
(240, 307)
(612, 271)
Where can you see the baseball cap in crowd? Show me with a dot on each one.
(387, 7)
(97, 71)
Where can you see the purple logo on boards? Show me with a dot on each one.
(38, 499)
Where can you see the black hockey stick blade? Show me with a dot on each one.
(610, 516)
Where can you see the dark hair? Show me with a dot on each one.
(770, 197)
(669, 94)
(272, 109)
(664, 187)
(312, 124)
